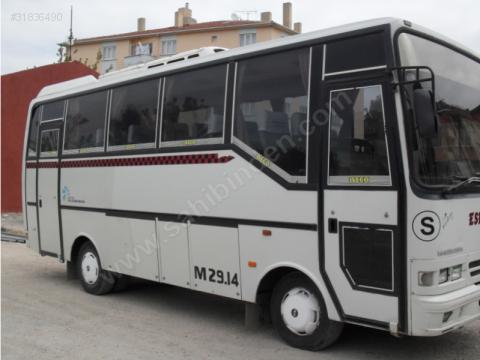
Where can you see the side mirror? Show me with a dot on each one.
(425, 113)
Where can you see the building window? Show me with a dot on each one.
(169, 46)
(109, 51)
(194, 105)
(248, 37)
(271, 110)
(141, 49)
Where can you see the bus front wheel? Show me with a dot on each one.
(299, 314)
(94, 279)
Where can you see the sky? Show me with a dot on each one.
(31, 29)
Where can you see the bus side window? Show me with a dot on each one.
(358, 150)
(362, 52)
(271, 104)
(194, 105)
(53, 111)
(133, 114)
(85, 122)
(33, 133)
(49, 143)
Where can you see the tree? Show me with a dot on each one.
(63, 52)
(97, 60)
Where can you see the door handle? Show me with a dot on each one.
(332, 226)
(40, 203)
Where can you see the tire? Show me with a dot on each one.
(94, 279)
(300, 316)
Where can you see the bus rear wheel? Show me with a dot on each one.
(94, 279)
(299, 314)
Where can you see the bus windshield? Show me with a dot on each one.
(453, 155)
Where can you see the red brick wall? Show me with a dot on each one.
(18, 89)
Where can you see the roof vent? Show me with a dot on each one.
(191, 54)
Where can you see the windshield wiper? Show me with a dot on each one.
(469, 181)
(463, 178)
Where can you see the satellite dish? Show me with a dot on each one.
(235, 17)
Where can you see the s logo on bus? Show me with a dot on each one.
(426, 226)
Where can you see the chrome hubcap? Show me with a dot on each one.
(90, 268)
(300, 311)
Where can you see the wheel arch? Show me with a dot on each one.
(273, 274)
(80, 239)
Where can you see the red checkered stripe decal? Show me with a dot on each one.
(137, 161)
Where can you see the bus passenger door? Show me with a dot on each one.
(48, 165)
(360, 202)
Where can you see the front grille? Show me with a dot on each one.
(474, 267)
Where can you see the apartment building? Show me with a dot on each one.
(113, 52)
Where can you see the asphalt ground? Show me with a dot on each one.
(46, 316)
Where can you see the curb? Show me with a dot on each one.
(13, 238)
(14, 232)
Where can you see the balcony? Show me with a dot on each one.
(137, 59)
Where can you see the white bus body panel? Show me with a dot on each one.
(30, 211)
(31, 185)
(229, 190)
(216, 249)
(234, 189)
(127, 246)
(456, 242)
(174, 253)
(32, 236)
(351, 206)
(48, 210)
(292, 248)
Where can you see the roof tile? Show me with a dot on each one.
(170, 29)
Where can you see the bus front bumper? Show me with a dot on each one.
(438, 314)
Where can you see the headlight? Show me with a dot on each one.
(443, 278)
(427, 278)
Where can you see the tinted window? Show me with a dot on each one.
(356, 53)
(271, 107)
(358, 152)
(32, 136)
(85, 123)
(49, 143)
(194, 104)
(53, 110)
(134, 113)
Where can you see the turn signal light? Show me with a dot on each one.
(456, 273)
(443, 277)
